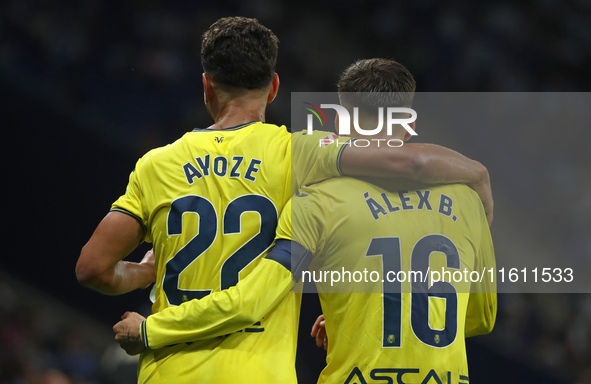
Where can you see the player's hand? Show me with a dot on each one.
(148, 261)
(482, 187)
(319, 332)
(127, 333)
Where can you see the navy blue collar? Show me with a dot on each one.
(226, 129)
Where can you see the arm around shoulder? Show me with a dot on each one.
(221, 313)
(424, 163)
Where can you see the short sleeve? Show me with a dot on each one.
(300, 221)
(131, 202)
(315, 157)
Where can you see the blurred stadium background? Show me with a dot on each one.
(88, 86)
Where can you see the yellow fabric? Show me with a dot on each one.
(224, 312)
(210, 203)
(333, 220)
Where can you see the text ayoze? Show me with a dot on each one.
(221, 166)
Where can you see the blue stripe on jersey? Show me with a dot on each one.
(301, 258)
(281, 253)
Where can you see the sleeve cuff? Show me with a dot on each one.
(339, 156)
(144, 334)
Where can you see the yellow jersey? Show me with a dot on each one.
(375, 253)
(209, 204)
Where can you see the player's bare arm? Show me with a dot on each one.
(127, 333)
(425, 163)
(101, 266)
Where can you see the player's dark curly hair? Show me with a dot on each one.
(376, 83)
(239, 52)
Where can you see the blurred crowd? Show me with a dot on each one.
(548, 333)
(136, 64)
(131, 72)
(43, 342)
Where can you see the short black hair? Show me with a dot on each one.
(239, 52)
(377, 83)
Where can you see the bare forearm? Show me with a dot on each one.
(434, 164)
(425, 163)
(122, 278)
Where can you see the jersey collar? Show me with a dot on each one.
(226, 129)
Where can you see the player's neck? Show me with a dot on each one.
(237, 112)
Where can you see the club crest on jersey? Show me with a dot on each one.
(219, 139)
(328, 140)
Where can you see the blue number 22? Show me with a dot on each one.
(200, 243)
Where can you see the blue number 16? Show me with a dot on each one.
(389, 249)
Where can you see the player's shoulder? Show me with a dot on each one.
(263, 132)
(460, 190)
(461, 194)
(273, 127)
(463, 198)
(273, 131)
(153, 155)
(163, 155)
